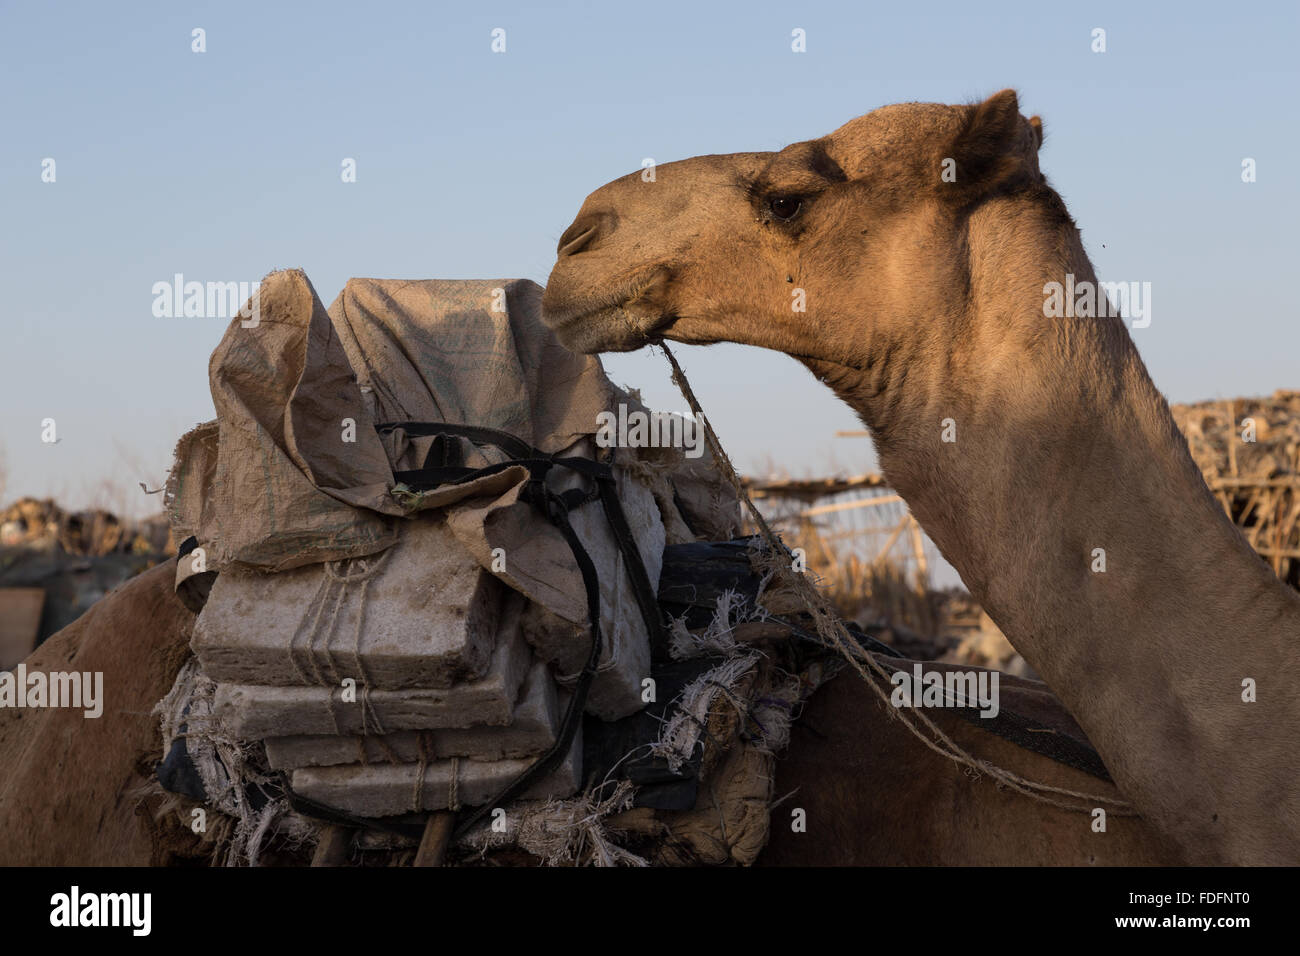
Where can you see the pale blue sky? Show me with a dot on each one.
(225, 165)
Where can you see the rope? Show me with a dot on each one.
(830, 627)
(387, 748)
(363, 749)
(417, 798)
(369, 567)
(368, 713)
(333, 574)
(336, 578)
(453, 786)
(336, 679)
(318, 603)
(333, 569)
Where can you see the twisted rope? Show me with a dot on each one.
(830, 628)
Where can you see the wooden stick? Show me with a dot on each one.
(1232, 437)
(1279, 552)
(918, 550)
(812, 488)
(849, 505)
(889, 543)
(437, 834)
(335, 846)
(1217, 483)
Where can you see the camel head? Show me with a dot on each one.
(813, 250)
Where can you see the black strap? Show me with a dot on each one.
(512, 445)
(427, 478)
(556, 507)
(558, 511)
(646, 597)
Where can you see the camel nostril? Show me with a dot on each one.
(579, 236)
(572, 243)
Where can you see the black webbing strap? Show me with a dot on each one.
(646, 598)
(512, 445)
(556, 507)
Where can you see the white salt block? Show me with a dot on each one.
(532, 731)
(386, 790)
(422, 614)
(252, 711)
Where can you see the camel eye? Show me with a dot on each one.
(784, 208)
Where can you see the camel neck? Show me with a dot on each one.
(1051, 475)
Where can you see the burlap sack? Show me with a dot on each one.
(293, 471)
(268, 485)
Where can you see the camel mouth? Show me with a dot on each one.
(609, 329)
(624, 322)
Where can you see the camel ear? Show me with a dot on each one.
(986, 148)
(1036, 124)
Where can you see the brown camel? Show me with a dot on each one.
(69, 785)
(906, 260)
(69, 790)
(874, 795)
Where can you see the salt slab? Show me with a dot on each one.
(532, 731)
(422, 614)
(385, 790)
(253, 711)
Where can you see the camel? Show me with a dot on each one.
(70, 791)
(1051, 407)
(905, 259)
(876, 796)
(69, 787)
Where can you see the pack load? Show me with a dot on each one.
(424, 583)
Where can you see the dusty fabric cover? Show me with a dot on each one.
(293, 472)
(276, 494)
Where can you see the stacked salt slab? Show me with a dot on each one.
(407, 681)
(397, 649)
